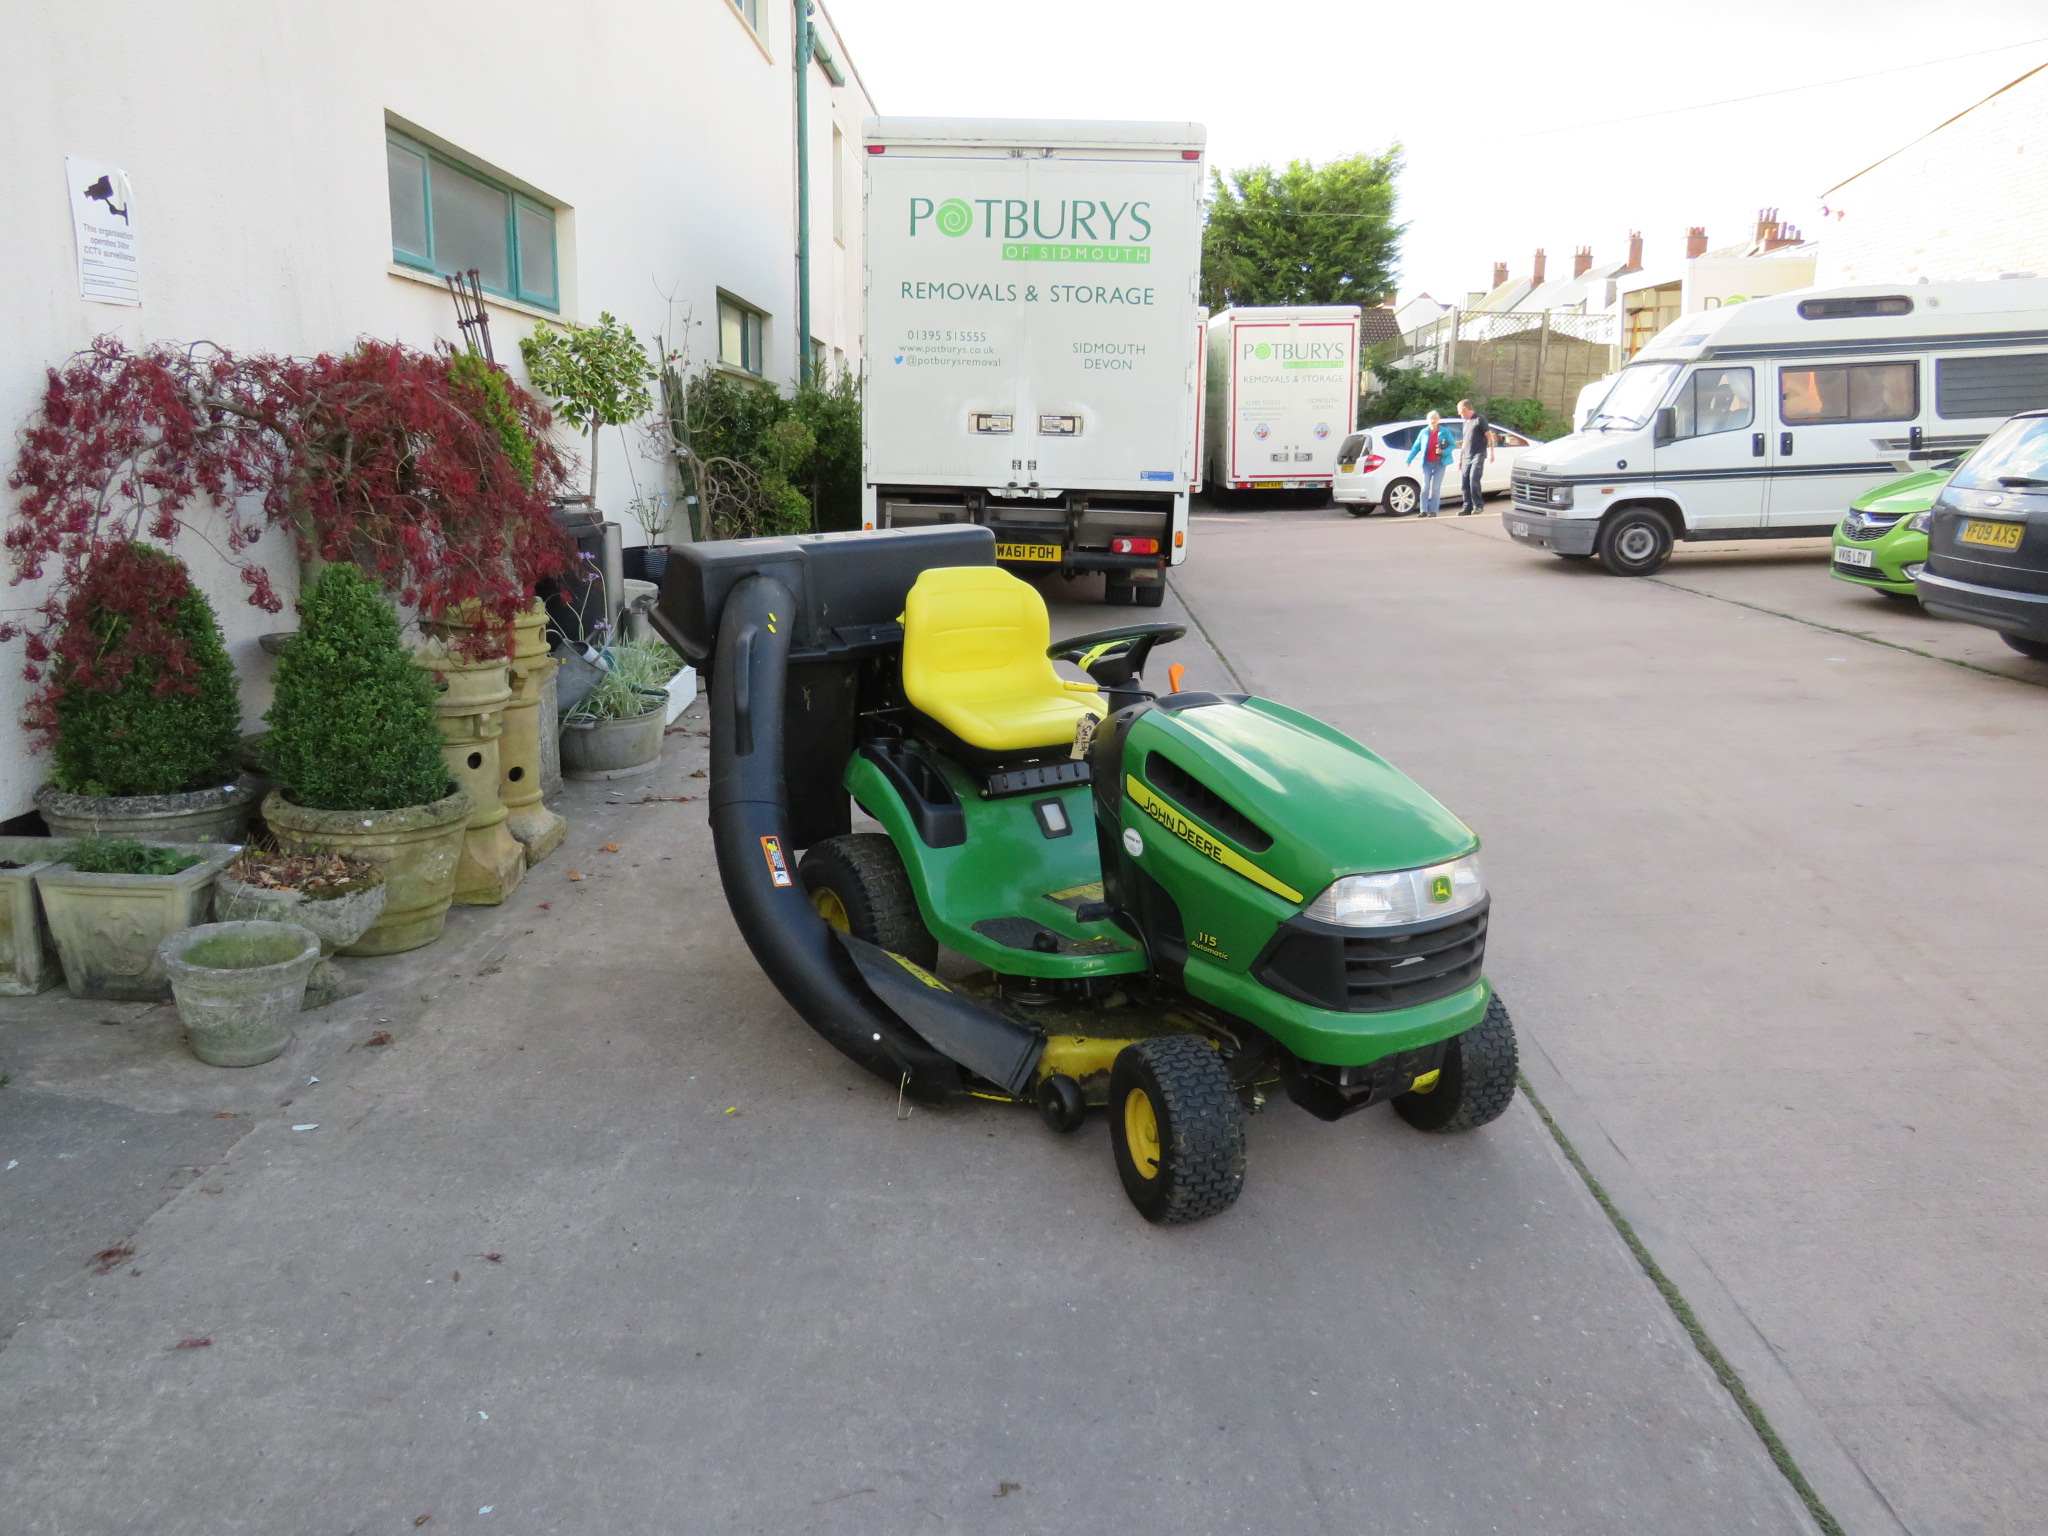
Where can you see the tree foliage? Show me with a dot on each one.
(385, 456)
(142, 698)
(352, 727)
(597, 375)
(1412, 393)
(1308, 234)
(759, 462)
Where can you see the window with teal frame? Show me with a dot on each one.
(448, 218)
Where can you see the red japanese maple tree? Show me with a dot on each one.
(386, 456)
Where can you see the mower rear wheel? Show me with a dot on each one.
(1177, 1129)
(1476, 1082)
(858, 884)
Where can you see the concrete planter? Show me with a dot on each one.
(28, 959)
(108, 927)
(202, 816)
(611, 749)
(337, 921)
(522, 757)
(239, 986)
(417, 847)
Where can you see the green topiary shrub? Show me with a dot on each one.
(353, 725)
(144, 699)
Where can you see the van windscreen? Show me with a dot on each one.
(1635, 395)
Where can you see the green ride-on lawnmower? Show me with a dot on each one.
(1179, 901)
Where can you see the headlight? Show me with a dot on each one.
(1560, 495)
(1918, 522)
(1406, 896)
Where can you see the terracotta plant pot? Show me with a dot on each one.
(417, 847)
(338, 921)
(611, 749)
(28, 957)
(108, 927)
(239, 986)
(200, 816)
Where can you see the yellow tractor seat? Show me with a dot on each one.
(974, 642)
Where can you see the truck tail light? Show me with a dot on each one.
(1134, 546)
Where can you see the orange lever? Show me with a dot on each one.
(1174, 674)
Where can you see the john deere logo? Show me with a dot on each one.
(954, 217)
(1440, 888)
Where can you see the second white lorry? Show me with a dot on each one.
(1032, 340)
(1282, 396)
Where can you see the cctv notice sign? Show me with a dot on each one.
(103, 223)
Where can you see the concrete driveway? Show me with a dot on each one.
(709, 1280)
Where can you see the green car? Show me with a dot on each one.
(1882, 543)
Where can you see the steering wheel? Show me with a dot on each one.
(1115, 657)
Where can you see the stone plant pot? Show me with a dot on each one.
(239, 986)
(28, 958)
(200, 816)
(417, 847)
(108, 927)
(611, 749)
(337, 921)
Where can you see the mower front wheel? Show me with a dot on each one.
(859, 886)
(1476, 1082)
(1177, 1129)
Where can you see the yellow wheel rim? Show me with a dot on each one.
(831, 908)
(1141, 1133)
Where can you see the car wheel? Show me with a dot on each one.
(1635, 541)
(1360, 508)
(2036, 650)
(1402, 497)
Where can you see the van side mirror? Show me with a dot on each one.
(1667, 426)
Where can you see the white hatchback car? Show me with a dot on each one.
(1373, 472)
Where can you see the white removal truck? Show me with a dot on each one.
(1032, 340)
(1283, 395)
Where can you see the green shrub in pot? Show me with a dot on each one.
(356, 753)
(142, 708)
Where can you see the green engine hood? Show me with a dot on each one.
(1331, 807)
(1904, 496)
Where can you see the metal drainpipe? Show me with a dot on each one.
(803, 190)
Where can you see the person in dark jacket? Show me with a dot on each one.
(1473, 457)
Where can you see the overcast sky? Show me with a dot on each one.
(1489, 99)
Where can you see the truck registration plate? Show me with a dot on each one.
(1992, 535)
(1269, 485)
(1028, 552)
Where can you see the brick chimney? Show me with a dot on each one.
(1695, 242)
(1635, 251)
(1500, 273)
(1783, 235)
(1582, 261)
(1766, 226)
(1536, 274)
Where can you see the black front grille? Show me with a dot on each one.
(1862, 527)
(1348, 971)
(1861, 572)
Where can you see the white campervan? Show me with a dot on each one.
(1765, 419)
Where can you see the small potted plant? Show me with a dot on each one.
(238, 986)
(28, 958)
(357, 757)
(113, 900)
(337, 898)
(617, 727)
(142, 709)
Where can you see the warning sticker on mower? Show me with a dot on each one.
(778, 866)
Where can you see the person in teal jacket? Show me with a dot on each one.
(1436, 445)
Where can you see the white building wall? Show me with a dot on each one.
(1969, 200)
(254, 137)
